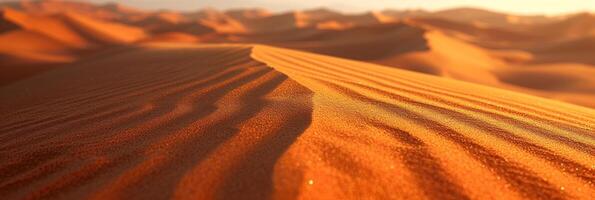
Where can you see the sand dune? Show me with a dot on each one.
(322, 16)
(476, 17)
(457, 51)
(166, 22)
(256, 122)
(567, 82)
(24, 53)
(218, 21)
(449, 57)
(407, 107)
(109, 11)
(561, 71)
(388, 40)
(466, 44)
(487, 18)
(571, 50)
(176, 37)
(106, 32)
(112, 102)
(260, 21)
(5, 24)
(574, 26)
(23, 41)
(275, 23)
(244, 14)
(491, 37)
(74, 29)
(33, 43)
(157, 20)
(54, 26)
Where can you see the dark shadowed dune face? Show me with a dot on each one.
(543, 81)
(5, 24)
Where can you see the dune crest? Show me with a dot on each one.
(429, 115)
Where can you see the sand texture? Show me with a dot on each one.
(113, 102)
(257, 122)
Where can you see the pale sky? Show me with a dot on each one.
(550, 7)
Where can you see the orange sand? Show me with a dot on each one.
(254, 122)
(110, 102)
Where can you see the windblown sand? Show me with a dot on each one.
(255, 122)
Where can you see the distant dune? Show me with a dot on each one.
(32, 43)
(238, 121)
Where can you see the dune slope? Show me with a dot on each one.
(257, 122)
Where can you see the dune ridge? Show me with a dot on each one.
(258, 122)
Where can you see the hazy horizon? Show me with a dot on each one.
(531, 7)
